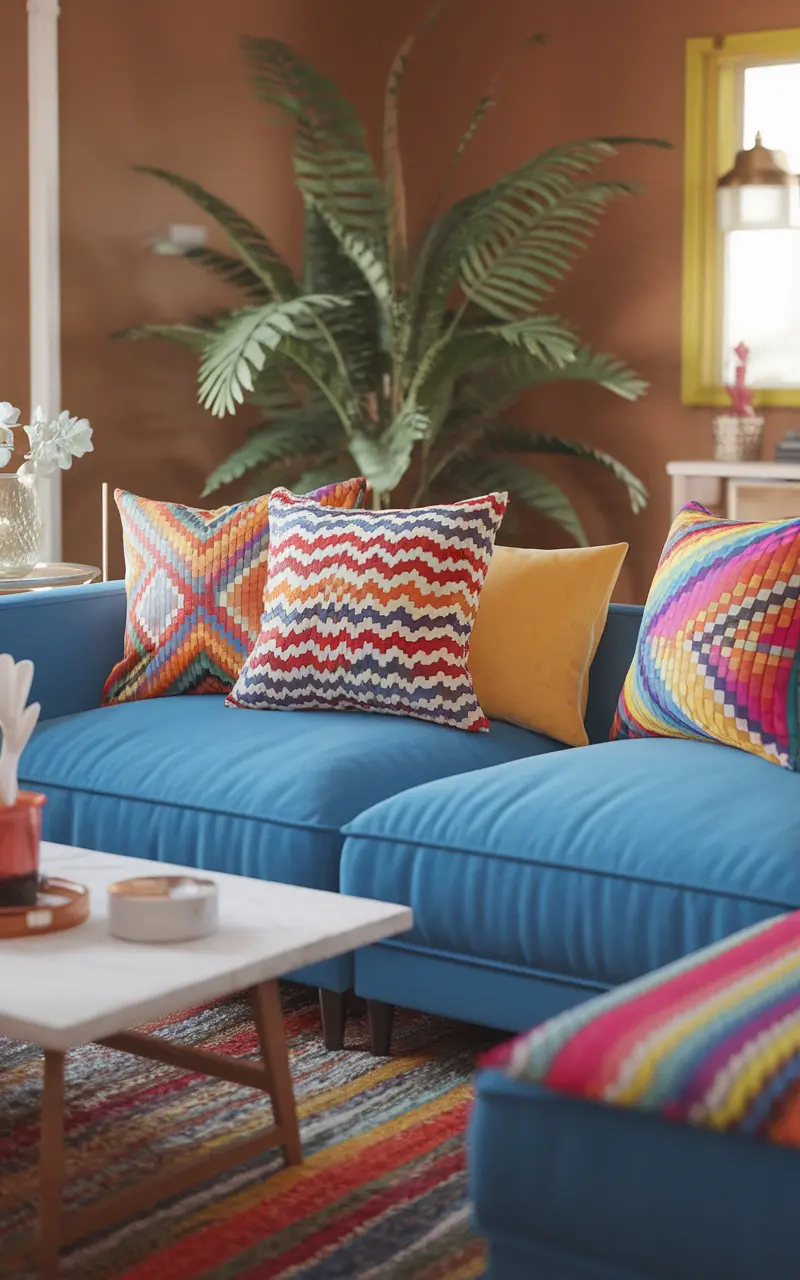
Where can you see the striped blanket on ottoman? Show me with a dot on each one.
(689, 1064)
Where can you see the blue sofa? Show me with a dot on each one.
(538, 875)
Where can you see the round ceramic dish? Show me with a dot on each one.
(162, 908)
(51, 575)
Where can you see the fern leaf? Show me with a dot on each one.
(252, 246)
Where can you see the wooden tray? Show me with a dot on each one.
(60, 905)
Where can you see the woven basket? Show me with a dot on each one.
(737, 439)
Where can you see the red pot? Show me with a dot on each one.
(20, 837)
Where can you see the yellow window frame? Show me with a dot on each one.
(713, 65)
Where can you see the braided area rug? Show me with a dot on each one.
(381, 1194)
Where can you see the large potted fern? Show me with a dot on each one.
(396, 360)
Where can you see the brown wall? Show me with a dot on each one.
(160, 82)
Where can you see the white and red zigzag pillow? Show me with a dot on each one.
(372, 610)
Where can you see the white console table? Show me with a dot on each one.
(739, 490)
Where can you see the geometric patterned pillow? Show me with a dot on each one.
(712, 1040)
(717, 655)
(372, 610)
(195, 584)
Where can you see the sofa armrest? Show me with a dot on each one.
(73, 635)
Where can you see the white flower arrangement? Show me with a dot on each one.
(52, 444)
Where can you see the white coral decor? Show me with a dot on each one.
(54, 444)
(9, 417)
(17, 722)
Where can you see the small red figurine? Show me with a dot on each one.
(740, 394)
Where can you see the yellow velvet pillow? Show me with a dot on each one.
(540, 619)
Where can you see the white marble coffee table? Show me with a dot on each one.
(66, 989)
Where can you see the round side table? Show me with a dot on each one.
(46, 576)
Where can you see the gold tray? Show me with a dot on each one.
(60, 905)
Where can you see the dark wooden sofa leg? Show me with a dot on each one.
(333, 1008)
(381, 1017)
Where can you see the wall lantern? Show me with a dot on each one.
(760, 193)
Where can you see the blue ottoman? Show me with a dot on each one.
(651, 1133)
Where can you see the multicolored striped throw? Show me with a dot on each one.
(719, 647)
(712, 1040)
(195, 582)
(372, 610)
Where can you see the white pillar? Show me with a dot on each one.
(44, 236)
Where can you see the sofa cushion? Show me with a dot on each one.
(600, 863)
(719, 648)
(186, 780)
(195, 585)
(540, 619)
(372, 610)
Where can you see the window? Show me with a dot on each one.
(739, 285)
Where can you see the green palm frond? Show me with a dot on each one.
(241, 345)
(363, 255)
(544, 338)
(397, 229)
(195, 337)
(485, 104)
(386, 358)
(500, 384)
(528, 245)
(297, 434)
(358, 329)
(515, 440)
(332, 161)
(465, 243)
(230, 270)
(481, 474)
(385, 459)
(252, 245)
(331, 469)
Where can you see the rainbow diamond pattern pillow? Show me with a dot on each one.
(717, 655)
(372, 610)
(195, 582)
(712, 1040)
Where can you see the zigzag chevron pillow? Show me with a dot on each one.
(719, 646)
(195, 582)
(372, 610)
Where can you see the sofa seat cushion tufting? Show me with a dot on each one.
(599, 864)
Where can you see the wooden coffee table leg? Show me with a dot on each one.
(51, 1166)
(272, 1039)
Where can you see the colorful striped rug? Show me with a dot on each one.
(381, 1194)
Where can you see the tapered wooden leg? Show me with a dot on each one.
(51, 1166)
(333, 1010)
(272, 1039)
(381, 1017)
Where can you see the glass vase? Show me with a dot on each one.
(20, 525)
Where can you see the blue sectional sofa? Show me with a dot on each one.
(538, 875)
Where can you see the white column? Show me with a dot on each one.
(44, 234)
